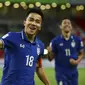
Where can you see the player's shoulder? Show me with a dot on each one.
(14, 34)
(11, 35)
(57, 38)
(40, 42)
(76, 37)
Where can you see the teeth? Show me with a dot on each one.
(32, 28)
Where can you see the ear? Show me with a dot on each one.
(60, 27)
(40, 27)
(24, 22)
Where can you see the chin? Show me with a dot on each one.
(31, 34)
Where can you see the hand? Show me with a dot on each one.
(73, 61)
(49, 49)
(51, 54)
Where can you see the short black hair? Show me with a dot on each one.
(60, 22)
(35, 10)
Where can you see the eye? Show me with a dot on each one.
(31, 19)
(38, 21)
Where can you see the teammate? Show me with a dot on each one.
(23, 50)
(67, 49)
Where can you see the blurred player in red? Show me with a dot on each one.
(67, 50)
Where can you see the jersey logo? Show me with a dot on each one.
(61, 44)
(22, 45)
(73, 44)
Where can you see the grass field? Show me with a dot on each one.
(51, 76)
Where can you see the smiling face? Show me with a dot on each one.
(66, 27)
(32, 24)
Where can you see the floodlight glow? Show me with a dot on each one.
(54, 4)
(1, 5)
(23, 4)
(16, 5)
(47, 6)
(68, 5)
(77, 8)
(31, 5)
(42, 7)
(38, 4)
(7, 3)
(63, 7)
(81, 7)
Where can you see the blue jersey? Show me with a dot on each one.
(64, 50)
(20, 58)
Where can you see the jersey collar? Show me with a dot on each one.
(23, 35)
(71, 37)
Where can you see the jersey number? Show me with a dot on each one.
(29, 60)
(67, 52)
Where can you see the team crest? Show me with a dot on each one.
(73, 44)
(38, 51)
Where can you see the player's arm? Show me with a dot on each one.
(51, 49)
(80, 53)
(41, 73)
(80, 56)
(1, 44)
(50, 54)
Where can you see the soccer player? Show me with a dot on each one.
(67, 50)
(23, 52)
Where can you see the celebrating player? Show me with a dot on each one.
(23, 50)
(67, 49)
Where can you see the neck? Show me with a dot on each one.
(30, 37)
(66, 36)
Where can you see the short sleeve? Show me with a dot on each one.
(80, 44)
(7, 39)
(39, 60)
(53, 45)
(42, 50)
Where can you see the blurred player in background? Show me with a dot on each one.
(24, 52)
(67, 49)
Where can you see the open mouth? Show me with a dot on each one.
(66, 31)
(32, 27)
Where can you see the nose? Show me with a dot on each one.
(33, 23)
(66, 26)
